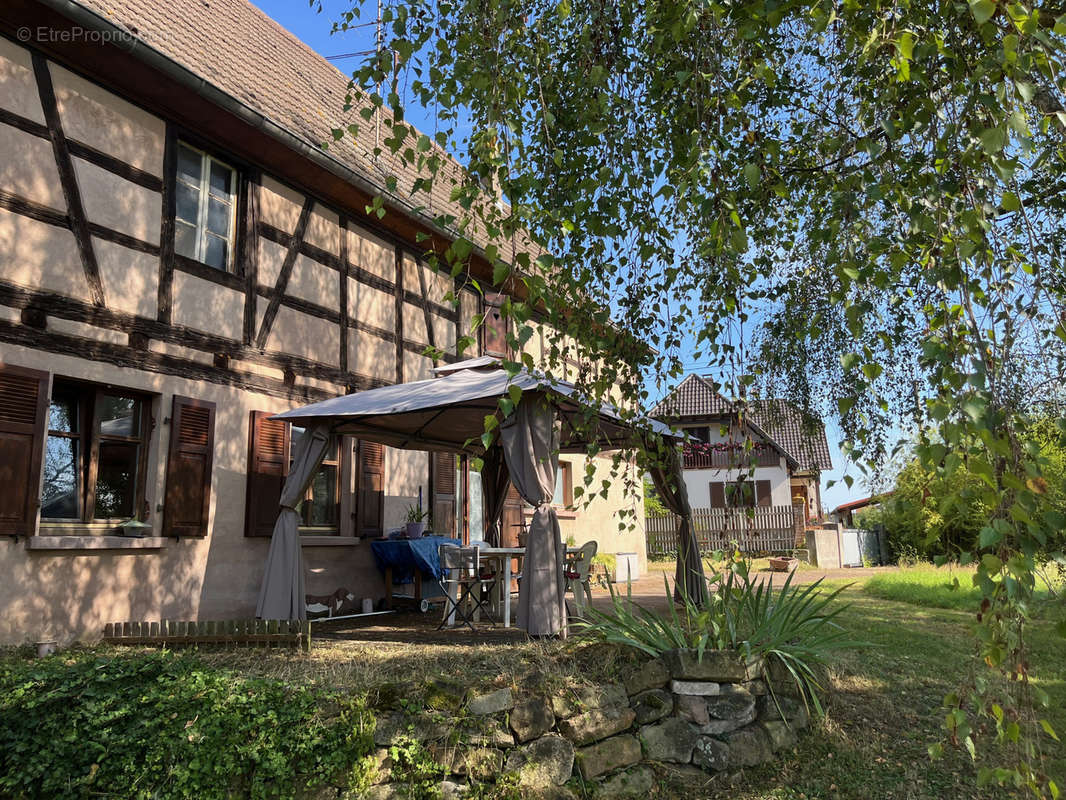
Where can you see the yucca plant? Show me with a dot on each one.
(793, 625)
(629, 624)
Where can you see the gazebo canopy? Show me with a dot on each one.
(447, 413)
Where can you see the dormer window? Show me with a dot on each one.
(205, 208)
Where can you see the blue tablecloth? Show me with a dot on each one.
(407, 555)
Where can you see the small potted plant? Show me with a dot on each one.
(416, 522)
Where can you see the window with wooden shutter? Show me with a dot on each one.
(268, 464)
(370, 509)
(23, 418)
(717, 494)
(444, 494)
(187, 504)
(494, 337)
(762, 493)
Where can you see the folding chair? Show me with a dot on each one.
(577, 575)
(468, 586)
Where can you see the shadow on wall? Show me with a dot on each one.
(84, 591)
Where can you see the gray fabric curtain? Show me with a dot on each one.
(282, 594)
(666, 474)
(494, 482)
(530, 439)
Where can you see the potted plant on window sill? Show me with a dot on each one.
(416, 522)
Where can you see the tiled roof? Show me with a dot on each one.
(804, 440)
(693, 397)
(234, 46)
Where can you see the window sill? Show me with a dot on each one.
(76, 542)
(328, 541)
(560, 512)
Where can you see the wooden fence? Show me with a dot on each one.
(769, 529)
(234, 633)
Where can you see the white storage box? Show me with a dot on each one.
(627, 567)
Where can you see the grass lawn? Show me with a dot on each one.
(949, 586)
(873, 743)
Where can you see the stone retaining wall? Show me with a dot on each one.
(716, 713)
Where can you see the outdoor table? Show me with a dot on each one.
(504, 555)
(407, 560)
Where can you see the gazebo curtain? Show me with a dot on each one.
(530, 442)
(495, 479)
(281, 595)
(666, 474)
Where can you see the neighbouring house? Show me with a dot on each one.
(770, 460)
(180, 259)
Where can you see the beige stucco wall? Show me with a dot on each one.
(371, 355)
(600, 519)
(406, 471)
(70, 594)
(18, 87)
(28, 168)
(371, 253)
(36, 254)
(130, 278)
(100, 119)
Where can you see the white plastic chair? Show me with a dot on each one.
(576, 573)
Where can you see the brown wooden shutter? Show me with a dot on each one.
(512, 517)
(23, 421)
(762, 493)
(717, 494)
(187, 503)
(444, 495)
(371, 481)
(568, 483)
(268, 464)
(494, 338)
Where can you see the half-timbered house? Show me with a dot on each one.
(180, 258)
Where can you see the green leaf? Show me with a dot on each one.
(905, 45)
(1048, 729)
(989, 537)
(1010, 202)
(982, 10)
(500, 272)
(993, 140)
(872, 371)
(752, 175)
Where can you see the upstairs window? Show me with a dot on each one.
(205, 208)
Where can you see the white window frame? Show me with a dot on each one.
(204, 190)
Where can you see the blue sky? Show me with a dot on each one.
(314, 29)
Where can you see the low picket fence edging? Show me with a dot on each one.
(234, 633)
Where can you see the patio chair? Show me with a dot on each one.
(576, 573)
(468, 585)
